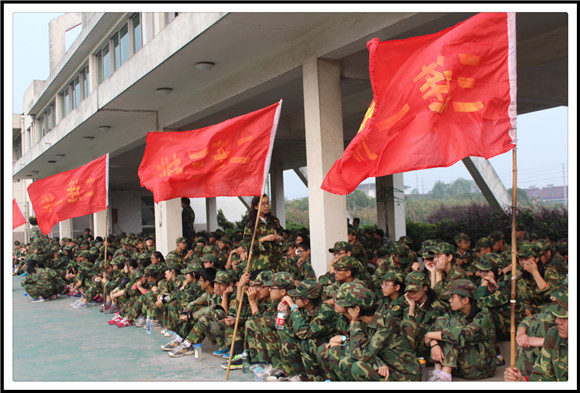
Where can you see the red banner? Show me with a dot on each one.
(70, 194)
(17, 216)
(231, 158)
(437, 99)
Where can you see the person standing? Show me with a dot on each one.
(187, 221)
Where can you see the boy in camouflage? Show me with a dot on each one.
(376, 346)
(392, 298)
(462, 340)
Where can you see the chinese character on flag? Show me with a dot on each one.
(437, 99)
(17, 216)
(70, 194)
(231, 158)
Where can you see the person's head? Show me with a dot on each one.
(483, 246)
(223, 279)
(341, 249)
(352, 235)
(149, 242)
(346, 268)
(379, 234)
(207, 278)
(185, 202)
(356, 222)
(157, 258)
(520, 232)
(463, 241)
(301, 238)
(393, 284)
(31, 266)
(209, 260)
(357, 299)
(130, 265)
(181, 244)
(307, 294)
(498, 241)
(291, 250)
(171, 271)
(264, 208)
(259, 283)
(280, 284)
(560, 311)
(545, 249)
(487, 265)
(443, 252)
(416, 286)
(461, 295)
(303, 250)
(527, 252)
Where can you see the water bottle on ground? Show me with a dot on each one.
(148, 322)
(197, 351)
(245, 363)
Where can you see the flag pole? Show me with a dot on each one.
(242, 288)
(105, 258)
(514, 263)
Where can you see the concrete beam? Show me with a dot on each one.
(391, 205)
(167, 224)
(488, 182)
(302, 174)
(277, 192)
(211, 214)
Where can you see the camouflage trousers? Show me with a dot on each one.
(262, 341)
(93, 290)
(468, 362)
(290, 353)
(132, 308)
(209, 325)
(312, 367)
(329, 360)
(44, 288)
(526, 357)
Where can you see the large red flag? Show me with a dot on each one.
(437, 99)
(231, 158)
(17, 216)
(70, 194)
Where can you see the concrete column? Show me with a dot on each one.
(324, 145)
(65, 228)
(277, 196)
(488, 182)
(167, 224)
(391, 205)
(100, 224)
(211, 214)
(57, 29)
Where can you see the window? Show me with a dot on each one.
(137, 35)
(50, 117)
(76, 92)
(104, 61)
(65, 102)
(148, 215)
(124, 43)
(85, 82)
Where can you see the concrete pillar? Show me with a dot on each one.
(324, 145)
(100, 224)
(488, 182)
(391, 205)
(167, 224)
(211, 214)
(57, 29)
(277, 196)
(65, 228)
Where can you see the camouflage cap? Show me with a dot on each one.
(543, 245)
(527, 249)
(557, 310)
(340, 246)
(461, 236)
(208, 249)
(308, 288)
(358, 295)
(281, 279)
(200, 239)
(462, 287)
(171, 257)
(561, 295)
(85, 254)
(223, 277)
(137, 273)
(346, 262)
(443, 248)
(394, 276)
(406, 239)
(151, 270)
(484, 242)
(181, 240)
(173, 266)
(209, 258)
(400, 249)
(352, 231)
(488, 261)
(263, 277)
(415, 281)
(191, 268)
(496, 236)
(426, 248)
(119, 260)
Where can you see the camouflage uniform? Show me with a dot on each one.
(394, 307)
(267, 255)
(467, 258)
(442, 287)
(43, 282)
(254, 343)
(468, 345)
(187, 221)
(556, 262)
(381, 342)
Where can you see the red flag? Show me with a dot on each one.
(231, 158)
(17, 216)
(437, 99)
(69, 194)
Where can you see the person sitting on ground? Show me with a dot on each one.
(392, 297)
(40, 283)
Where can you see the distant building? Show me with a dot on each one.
(549, 194)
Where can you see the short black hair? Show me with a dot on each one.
(186, 201)
(208, 274)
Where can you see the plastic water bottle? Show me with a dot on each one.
(197, 351)
(423, 369)
(280, 319)
(148, 322)
(26, 297)
(245, 363)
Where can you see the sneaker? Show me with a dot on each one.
(220, 352)
(113, 309)
(39, 299)
(500, 360)
(443, 378)
(77, 294)
(236, 363)
(434, 375)
(274, 372)
(53, 297)
(140, 322)
(263, 365)
(115, 320)
(226, 355)
(124, 323)
(80, 304)
(75, 303)
(170, 346)
(98, 299)
(182, 350)
(169, 333)
(155, 325)
(294, 378)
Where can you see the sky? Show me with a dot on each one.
(543, 138)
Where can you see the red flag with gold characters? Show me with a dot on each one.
(17, 216)
(438, 98)
(231, 158)
(70, 194)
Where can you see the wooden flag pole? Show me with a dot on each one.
(105, 258)
(514, 264)
(241, 290)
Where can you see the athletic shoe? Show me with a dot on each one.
(274, 372)
(140, 322)
(236, 363)
(39, 299)
(113, 309)
(77, 294)
(124, 323)
(53, 297)
(434, 375)
(98, 299)
(220, 352)
(263, 365)
(75, 303)
(115, 320)
(155, 325)
(169, 333)
(182, 350)
(294, 378)
(500, 360)
(170, 346)
(80, 304)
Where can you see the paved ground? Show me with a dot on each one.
(54, 343)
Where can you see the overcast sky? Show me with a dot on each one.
(543, 137)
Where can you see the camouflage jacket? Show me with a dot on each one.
(552, 364)
(317, 324)
(266, 255)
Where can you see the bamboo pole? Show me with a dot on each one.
(514, 263)
(106, 242)
(240, 301)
